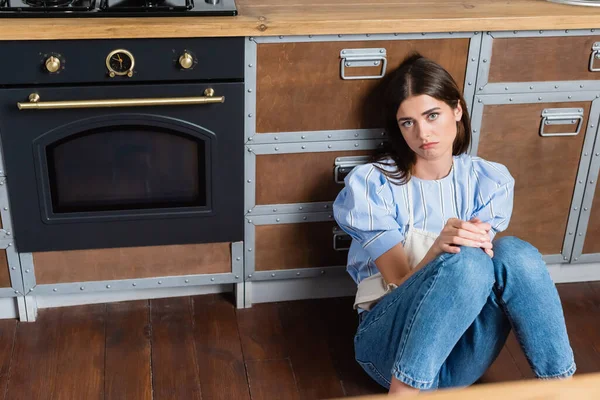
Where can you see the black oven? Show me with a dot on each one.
(113, 143)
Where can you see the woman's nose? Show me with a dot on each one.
(422, 131)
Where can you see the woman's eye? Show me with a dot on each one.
(433, 116)
(407, 124)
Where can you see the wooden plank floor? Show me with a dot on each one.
(203, 348)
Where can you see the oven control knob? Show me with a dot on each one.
(52, 64)
(186, 61)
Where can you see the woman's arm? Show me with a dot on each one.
(394, 266)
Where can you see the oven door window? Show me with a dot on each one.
(126, 169)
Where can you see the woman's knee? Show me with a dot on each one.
(518, 255)
(473, 266)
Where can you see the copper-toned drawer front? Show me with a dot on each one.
(592, 236)
(131, 263)
(301, 245)
(298, 177)
(532, 59)
(299, 85)
(544, 168)
(4, 273)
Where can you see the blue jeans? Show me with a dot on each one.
(448, 322)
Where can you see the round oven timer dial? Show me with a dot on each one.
(120, 63)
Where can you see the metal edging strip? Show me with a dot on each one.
(361, 37)
(14, 269)
(7, 292)
(314, 147)
(298, 273)
(590, 183)
(136, 284)
(250, 59)
(296, 208)
(14, 264)
(588, 258)
(544, 33)
(471, 71)
(538, 87)
(257, 220)
(28, 272)
(315, 136)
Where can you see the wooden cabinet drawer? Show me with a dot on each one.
(542, 59)
(296, 245)
(131, 263)
(545, 168)
(299, 84)
(298, 177)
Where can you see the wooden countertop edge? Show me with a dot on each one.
(582, 386)
(105, 28)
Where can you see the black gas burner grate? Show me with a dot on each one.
(146, 5)
(116, 8)
(47, 5)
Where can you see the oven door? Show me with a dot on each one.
(97, 167)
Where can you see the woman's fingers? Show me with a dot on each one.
(468, 226)
(460, 241)
(479, 237)
(449, 248)
(481, 225)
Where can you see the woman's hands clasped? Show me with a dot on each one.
(456, 232)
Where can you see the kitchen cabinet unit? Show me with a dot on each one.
(312, 115)
(311, 85)
(542, 143)
(536, 111)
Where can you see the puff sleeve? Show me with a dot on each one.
(495, 194)
(365, 209)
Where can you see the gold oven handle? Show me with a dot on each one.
(35, 103)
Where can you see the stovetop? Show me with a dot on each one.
(116, 8)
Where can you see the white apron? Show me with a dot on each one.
(417, 244)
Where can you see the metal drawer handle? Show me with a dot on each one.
(595, 56)
(344, 165)
(341, 240)
(363, 58)
(35, 103)
(561, 116)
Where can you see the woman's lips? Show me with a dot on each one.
(428, 146)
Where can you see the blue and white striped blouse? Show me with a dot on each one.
(374, 211)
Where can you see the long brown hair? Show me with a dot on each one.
(415, 76)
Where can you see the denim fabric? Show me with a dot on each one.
(448, 322)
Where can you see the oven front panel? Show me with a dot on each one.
(124, 173)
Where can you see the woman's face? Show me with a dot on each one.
(428, 125)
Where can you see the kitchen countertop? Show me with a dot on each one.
(303, 17)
